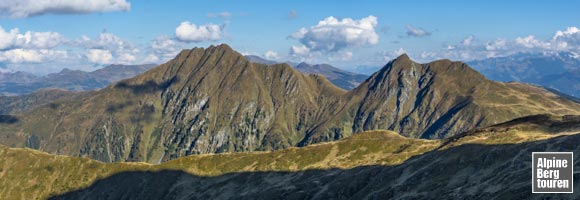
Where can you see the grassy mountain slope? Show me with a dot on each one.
(437, 100)
(203, 101)
(379, 161)
(23, 103)
(213, 100)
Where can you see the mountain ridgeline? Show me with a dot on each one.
(341, 78)
(22, 83)
(214, 100)
(560, 71)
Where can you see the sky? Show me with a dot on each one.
(45, 36)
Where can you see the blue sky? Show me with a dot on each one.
(92, 33)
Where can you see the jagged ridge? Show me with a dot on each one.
(214, 100)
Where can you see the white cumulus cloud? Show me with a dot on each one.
(299, 50)
(99, 56)
(30, 40)
(531, 41)
(190, 32)
(164, 45)
(105, 44)
(271, 55)
(163, 48)
(27, 8)
(567, 39)
(20, 56)
(496, 45)
(31, 55)
(332, 34)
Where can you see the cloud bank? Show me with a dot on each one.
(11, 39)
(29, 8)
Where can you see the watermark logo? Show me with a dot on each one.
(552, 172)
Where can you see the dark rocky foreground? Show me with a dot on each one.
(465, 172)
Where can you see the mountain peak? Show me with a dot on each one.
(221, 47)
(444, 67)
(66, 70)
(303, 65)
(403, 56)
(212, 100)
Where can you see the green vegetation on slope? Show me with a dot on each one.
(215, 101)
(29, 174)
(19, 104)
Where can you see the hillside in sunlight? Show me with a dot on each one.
(356, 164)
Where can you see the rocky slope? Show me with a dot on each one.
(375, 164)
(213, 100)
(436, 100)
(204, 101)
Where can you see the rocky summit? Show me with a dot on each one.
(214, 100)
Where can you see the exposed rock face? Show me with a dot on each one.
(214, 100)
(204, 101)
(435, 100)
(220, 102)
(426, 101)
(369, 165)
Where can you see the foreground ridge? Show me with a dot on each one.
(380, 161)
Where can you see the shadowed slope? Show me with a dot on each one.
(203, 101)
(465, 172)
(436, 100)
(367, 165)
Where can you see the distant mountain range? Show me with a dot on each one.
(341, 78)
(212, 100)
(559, 71)
(19, 83)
